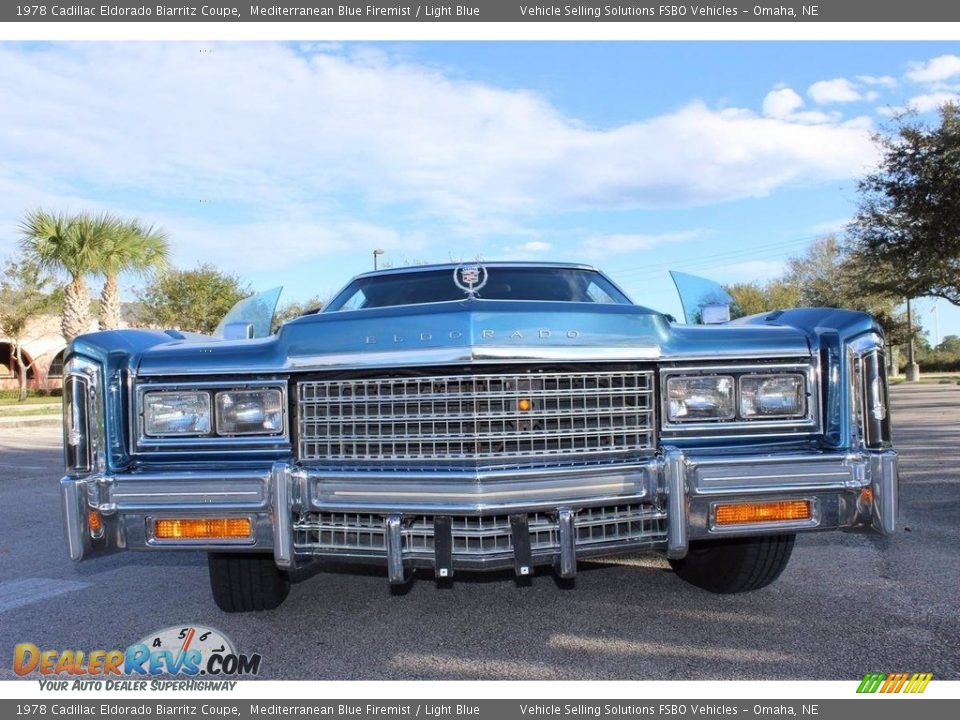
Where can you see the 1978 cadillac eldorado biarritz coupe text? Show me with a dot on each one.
(469, 417)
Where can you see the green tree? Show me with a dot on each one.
(295, 310)
(828, 276)
(131, 247)
(60, 243)
(950, 344)
(906, 233)
(755, 297)
(194, 300)
(26, 291)
(824, 276)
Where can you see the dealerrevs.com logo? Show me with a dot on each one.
(187, 651)
(910, 683)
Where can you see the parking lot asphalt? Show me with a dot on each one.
(846, 605)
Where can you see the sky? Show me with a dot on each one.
(290, 163)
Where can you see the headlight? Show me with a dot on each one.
(772, 396)
(700, 398)
(176, 413)
(249, 412)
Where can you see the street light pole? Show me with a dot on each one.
(376, 252)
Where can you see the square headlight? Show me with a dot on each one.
(176, 413)
(772, 396)
(250, 412)
(709, 397)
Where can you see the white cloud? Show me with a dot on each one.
(785, 104)
(891, 110)
(838, 90)
(301, 141)
(878, 80)
(932, 101)
(938, 70)
(620, 243)
(781, 103)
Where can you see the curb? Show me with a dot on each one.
(50, 421)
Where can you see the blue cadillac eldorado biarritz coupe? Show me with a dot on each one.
(479, 416)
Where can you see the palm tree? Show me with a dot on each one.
(67, 244)
(132, 247)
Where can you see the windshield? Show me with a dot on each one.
(503, 283)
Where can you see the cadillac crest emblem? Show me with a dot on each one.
(470, 278)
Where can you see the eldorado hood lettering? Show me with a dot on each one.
(541, 334)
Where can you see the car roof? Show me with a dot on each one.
(496, 263)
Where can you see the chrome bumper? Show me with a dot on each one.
(421, 518)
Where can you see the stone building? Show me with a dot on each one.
(43, 347)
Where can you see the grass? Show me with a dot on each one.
(930, 379)
(31, 400)
(6, 412)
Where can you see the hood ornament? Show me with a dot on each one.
(470, 278)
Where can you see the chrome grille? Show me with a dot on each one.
(475, 417)
(478, 536)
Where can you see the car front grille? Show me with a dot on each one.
(476, 417)
(478, 537)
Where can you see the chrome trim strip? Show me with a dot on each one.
(471, 354)
(281, 481)
(74, 504)
(732, 489)
(621, 487)
(885, 483)
(182, 494)
(774, 476)
(568, 543)
(479, 355)
(675, 478)
(395, 571)
(627, 469)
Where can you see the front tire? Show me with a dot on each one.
(735, 565)
(242, 582)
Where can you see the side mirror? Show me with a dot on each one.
(715, 314)
(238, 331)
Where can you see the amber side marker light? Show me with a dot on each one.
(201, 528)
(746, 513)
(94, 523)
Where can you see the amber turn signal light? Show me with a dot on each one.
(746, 513)
(201, 528)
(524, 405)
(94, 523)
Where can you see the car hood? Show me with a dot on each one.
(472, 330)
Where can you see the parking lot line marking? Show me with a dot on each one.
(17, 593)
